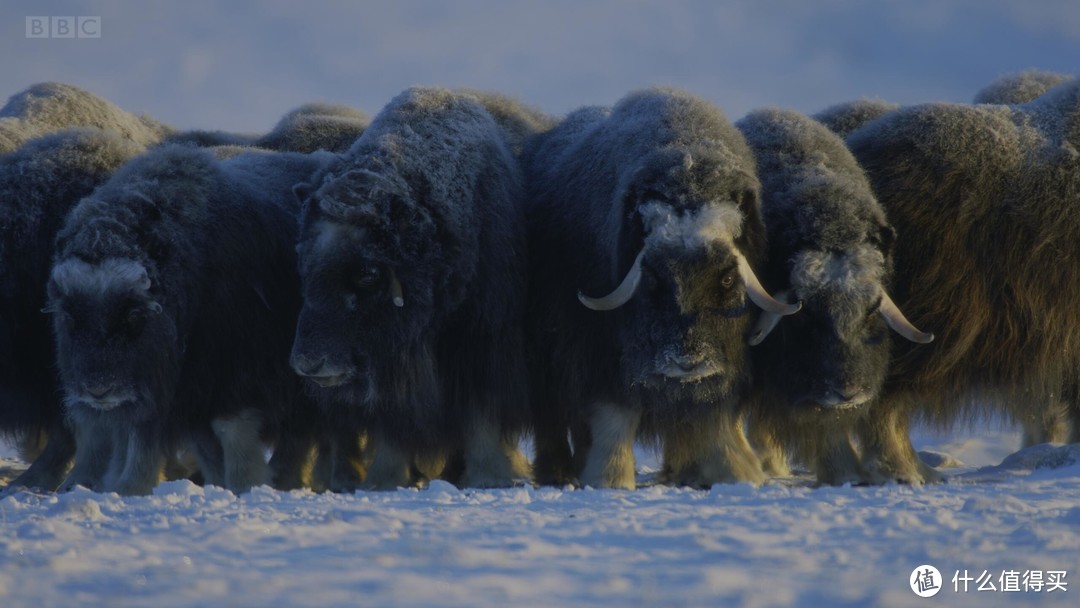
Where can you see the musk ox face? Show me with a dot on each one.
(114, 344)
(368, 299)
(684, 327)
(685, 301)
(835, 352)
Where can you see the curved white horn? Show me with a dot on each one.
(766, 322)
(761, 297)
(395, 290)
(622, 293)
(899, 323)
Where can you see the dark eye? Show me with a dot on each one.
(367, 277)
(134, 317)
(729, 280)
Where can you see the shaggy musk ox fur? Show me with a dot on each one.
(316, 126)
(984, 197)
(843, 118)
(39, 184)
(830, 247)
(52, 106)
(658, 196)
(174, 297)
(1021, 87)
(413, 263)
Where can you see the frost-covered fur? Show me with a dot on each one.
(39, 183)
(665, 173)
(830, 247)
(209, 139)
(1020, 87)
(413, 246)
(316, 126)
(518, 121)
(843, 118)
(174, 297)
(984, 197)
(51, 106)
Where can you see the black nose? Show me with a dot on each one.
(97, 391)
(308, 366)
(686, 364)
(847, 395)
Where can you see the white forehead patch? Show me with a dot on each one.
(713, 222)
(112, 274)
(852, 270)
(330, 236)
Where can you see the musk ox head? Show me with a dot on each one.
(688, 222)
(114, 341)
(835, 352)
(369, 283)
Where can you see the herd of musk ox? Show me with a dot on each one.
(378, 302)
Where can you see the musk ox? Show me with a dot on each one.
(655, 203)
(985, 199)
(412, 258)
(829, 246)
(316, 126)
(174, 297)
(52, 106)
(843, 118)
(1020, 87)
(39, 183)
(1055, 424)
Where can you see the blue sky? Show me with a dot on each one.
(240, 65)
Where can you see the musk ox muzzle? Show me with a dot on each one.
(319, 369)
(841, 397)
(685, 368)
(314, 355)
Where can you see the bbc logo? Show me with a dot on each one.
(63, 27)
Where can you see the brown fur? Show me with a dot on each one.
(984, 199)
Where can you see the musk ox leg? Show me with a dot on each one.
(553, 462)
(1073, 435)
(245, 460)
(1049, 424)
(48, 469)
(437, 465)
(343, 460)
(144, 463)
(117, 456)
(770, 450)
(292, 461)
(887, 453)
(210, 456)
(30, 445)
(709, 450)
(831, 455)
(492, 459)
(180, 463)
(610, 460)
(390, 467)
(95, 446)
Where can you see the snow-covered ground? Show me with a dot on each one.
(785, 543)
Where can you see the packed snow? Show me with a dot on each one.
(785, 543)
